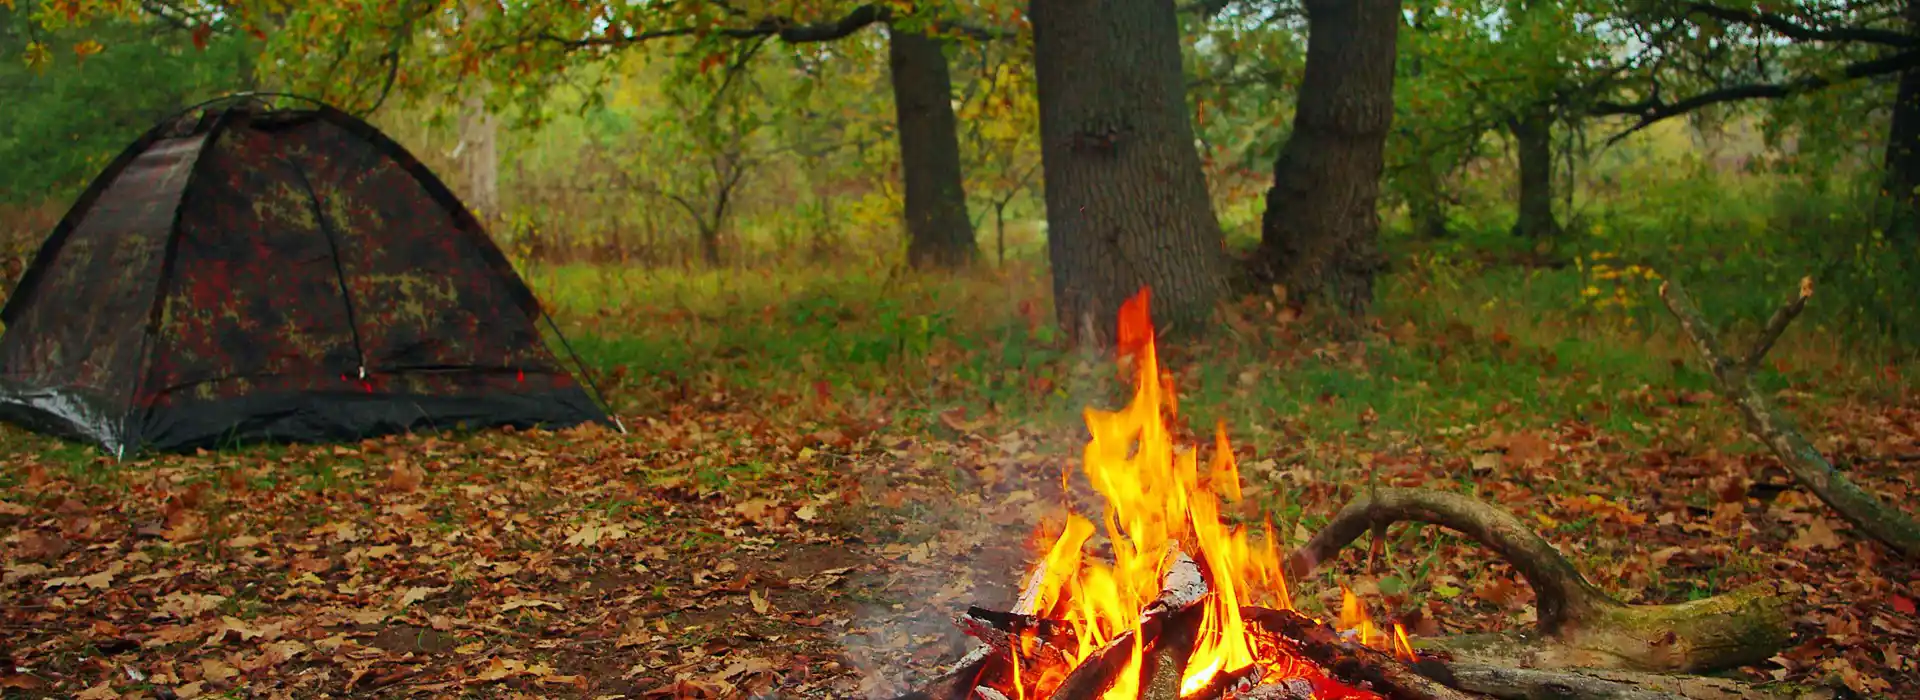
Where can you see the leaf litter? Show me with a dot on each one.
(716, 552)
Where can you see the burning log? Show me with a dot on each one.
(1353, 663)
(1232, 685)
(1166, 666)
(1580, 625)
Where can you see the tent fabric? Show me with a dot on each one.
(247, 274)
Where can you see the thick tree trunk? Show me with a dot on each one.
(1127, 202)
(1533, 137)
(1319, 234)
(939, 233)
(1903, 149)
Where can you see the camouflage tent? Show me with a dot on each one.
(243, 273)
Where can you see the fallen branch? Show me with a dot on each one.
(1882, 522)
(1509, 683)
(1579, 625)
(1354, 664)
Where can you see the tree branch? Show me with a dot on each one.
(1654, 110)
(1885, 523)
(1800, 32)
(788, 30)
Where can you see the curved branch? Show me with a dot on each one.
(1654, 109)
(1581, 625)
(1564, 595)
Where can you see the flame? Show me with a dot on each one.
(1158, 498)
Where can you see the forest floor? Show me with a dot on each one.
(807, 524)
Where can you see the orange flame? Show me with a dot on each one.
(1158, 499)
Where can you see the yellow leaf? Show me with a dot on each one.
(87, 48)
(37, 55)
(760, 604)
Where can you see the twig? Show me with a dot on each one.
(1777, 325)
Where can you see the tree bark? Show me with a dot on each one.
(1902, 177)
(1127, 202)
(939, 233)
(479, 150)
(1533, 137)
(1319, 234)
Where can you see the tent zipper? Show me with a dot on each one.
(339, 270)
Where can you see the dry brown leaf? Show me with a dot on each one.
(1817, 535)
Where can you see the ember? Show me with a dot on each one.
(1188, 606)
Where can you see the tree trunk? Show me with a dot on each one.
(1319, 235)
(1902, 176)
(939, 234)
(710, 246)
(1127, 202)
(1533, 138)
(479, 154)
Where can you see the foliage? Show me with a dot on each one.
(69, 117)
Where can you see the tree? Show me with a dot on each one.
(1319, 234)
(521, 51)
(1734, 53)
(1127, 203)
(939, 233)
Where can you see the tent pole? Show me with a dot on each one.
(585, 372)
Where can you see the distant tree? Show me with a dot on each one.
(353, 55)
(1127, 202)
(1734, 52)
(940, 232)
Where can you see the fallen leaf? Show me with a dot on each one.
(104, 691)
(190, 690)
(517, 603)
(1901, 603)
(216, 670)
(760, 604)
(420, 593)
(1817, 535)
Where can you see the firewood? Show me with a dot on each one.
(1734, 378)
(1166, 663)
(1354, 664)
(1100, 669)
(1228, 685)
(1004, 633)
(1509, 683)
(1579, 625)
(957, 682)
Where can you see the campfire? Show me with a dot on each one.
(1185, 605)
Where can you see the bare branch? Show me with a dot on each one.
(1872, 516)
(1800, 32)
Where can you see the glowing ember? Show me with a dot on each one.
(1159, 500)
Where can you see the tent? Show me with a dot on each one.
(246, 273)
